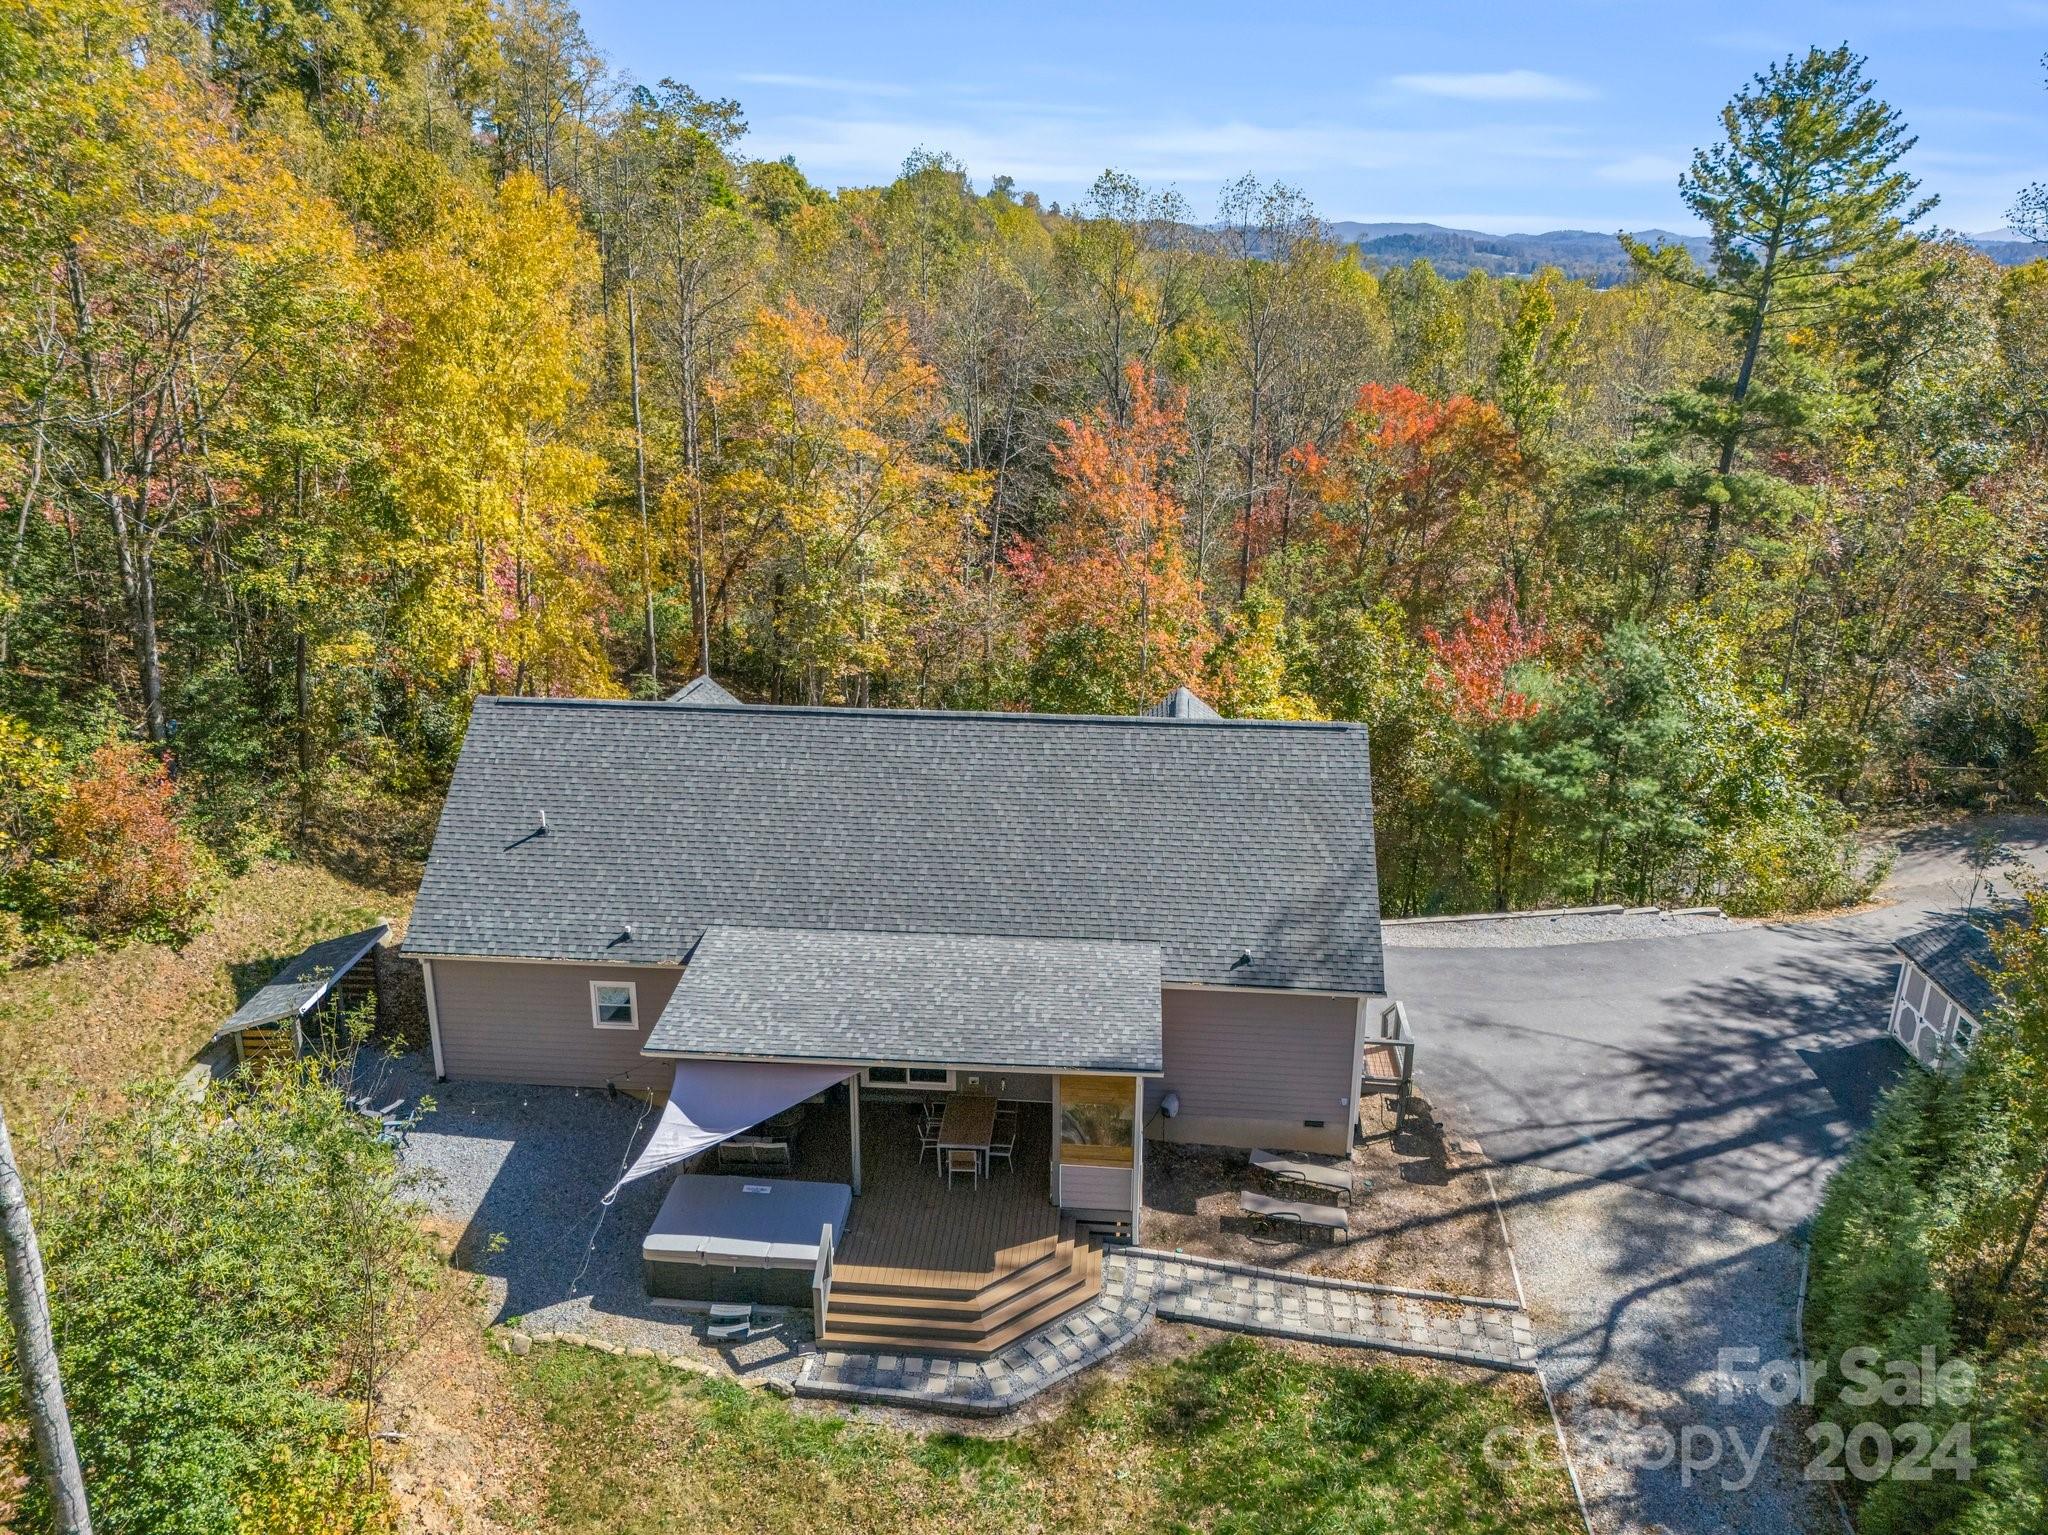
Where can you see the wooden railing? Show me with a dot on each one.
(1393, 1053)
(821, 1280)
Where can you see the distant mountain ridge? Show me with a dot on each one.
(1594, 255)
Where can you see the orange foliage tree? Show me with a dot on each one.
(125, 865)
(1118, 610)
(1416, 494)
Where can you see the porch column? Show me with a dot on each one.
(853, 1120)
(1137, 1160)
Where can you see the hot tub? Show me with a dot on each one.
(721, 1238)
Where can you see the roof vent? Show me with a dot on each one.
(543, 820)
(1181, 704)
(1244, 958)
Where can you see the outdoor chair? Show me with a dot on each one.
(746, 1154)
(927, 1139)
(962, 1160)
(730, 1319)
(1005, 1146)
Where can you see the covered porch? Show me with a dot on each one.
(854, 1060)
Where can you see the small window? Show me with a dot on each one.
(613, 1005)
(1965, 1033)
(938, 1077)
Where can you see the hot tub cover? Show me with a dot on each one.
(741, 1222)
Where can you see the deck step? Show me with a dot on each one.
(860, 1279)
(877, 1313)
(1009, 1306)
(912, 1300)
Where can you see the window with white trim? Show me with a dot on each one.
(909, 1078)
(614, 1005)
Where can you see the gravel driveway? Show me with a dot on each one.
(522, 1172)
(1667, 1110)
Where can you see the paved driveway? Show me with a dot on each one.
(1667, 1112)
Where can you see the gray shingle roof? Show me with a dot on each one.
(1208, 838)
(701, 690)
(1951, 953)
(304, 979)
(916, 998)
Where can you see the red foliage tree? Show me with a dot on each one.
(1475, 661)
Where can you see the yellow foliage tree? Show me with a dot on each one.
(829, 503)
(495, 495)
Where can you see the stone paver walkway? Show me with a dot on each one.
(1138, 1284)
(1342, 1312)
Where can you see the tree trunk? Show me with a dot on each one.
(131, 554)
(640, 479)
(28, 1309)
(2019, 1248)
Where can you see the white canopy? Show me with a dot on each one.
(711, 1101)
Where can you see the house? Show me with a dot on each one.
(1158, 927)
(1944, 990)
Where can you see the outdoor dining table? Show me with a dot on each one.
(968, 1124)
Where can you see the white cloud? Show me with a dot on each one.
(827, 83)
(1642, 170)
(1504, 85)
(1050, 147)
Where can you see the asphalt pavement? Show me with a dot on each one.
(1666, 1111)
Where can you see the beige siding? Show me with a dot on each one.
(503, 1022)
(1252, 1066)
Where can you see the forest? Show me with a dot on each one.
(357, 360)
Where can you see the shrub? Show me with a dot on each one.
(225, 1278)
(126, 866)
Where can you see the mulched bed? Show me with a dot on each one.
(1420, 1214)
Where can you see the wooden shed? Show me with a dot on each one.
(314, 989)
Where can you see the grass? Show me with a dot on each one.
(1235, 1439)
(80, 1031)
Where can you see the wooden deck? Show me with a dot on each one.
(961, 1269)
(907, 1227)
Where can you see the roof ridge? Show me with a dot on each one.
(929, 932)
(847, 711)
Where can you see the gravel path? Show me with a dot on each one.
(1631, 1296)
(1539, 930)
(522, 1171)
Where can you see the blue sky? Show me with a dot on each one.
(1490, 116)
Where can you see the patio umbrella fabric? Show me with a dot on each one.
(712, 1101)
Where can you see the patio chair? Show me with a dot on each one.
(927, 1139)
(962, 1159)
(1004, 1146)
(730, 1319)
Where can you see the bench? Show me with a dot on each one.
(753, 1155)
(1289, 1212)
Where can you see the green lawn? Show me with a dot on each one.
(1237, 1438)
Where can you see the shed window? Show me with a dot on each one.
(614, 1005)
(1965, 1034)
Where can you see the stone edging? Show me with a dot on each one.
(1559, 911)
(1317, 1281)
(517, 1341)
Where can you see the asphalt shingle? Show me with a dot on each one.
(303, 980)
(917, 998)
(1243, 849)
(1957, 955)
